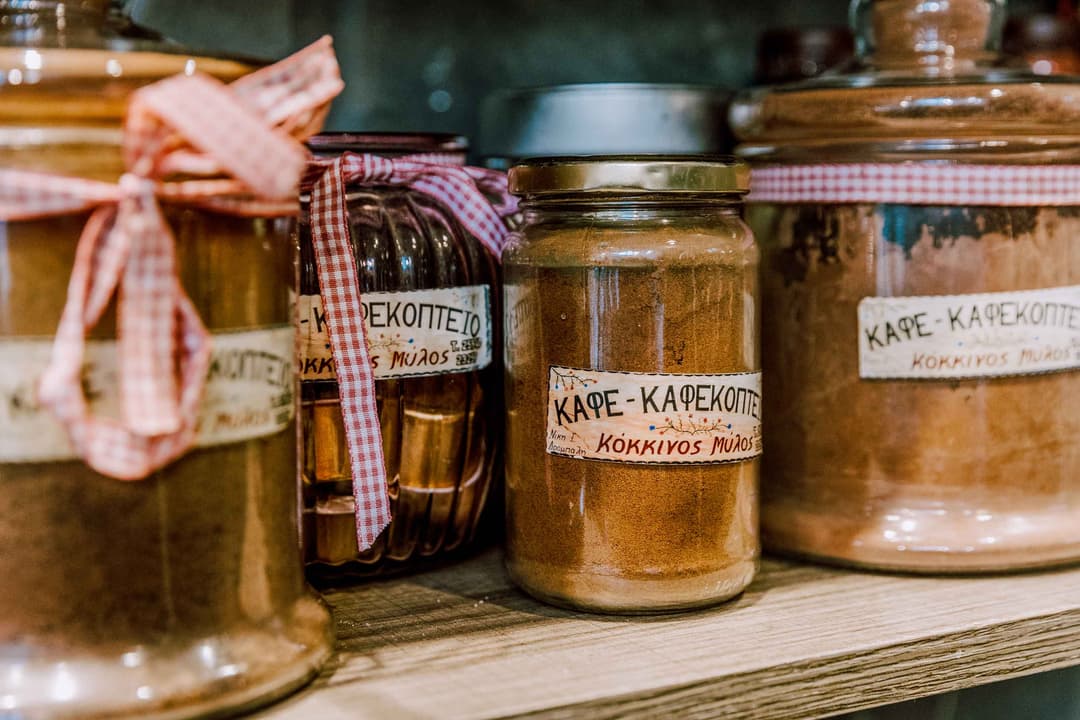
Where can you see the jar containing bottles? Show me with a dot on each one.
(632, 384)
(918, 220)
(437, 398)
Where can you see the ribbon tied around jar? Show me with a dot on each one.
(188, 139)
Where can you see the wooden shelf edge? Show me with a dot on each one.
(804, 642)
(850, 683)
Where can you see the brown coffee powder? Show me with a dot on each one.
(671, 292)
(943, 38)
(942, 475)
(187, 583)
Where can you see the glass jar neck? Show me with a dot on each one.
(675, 206)
(924, 37)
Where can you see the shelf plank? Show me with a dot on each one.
(804, 642)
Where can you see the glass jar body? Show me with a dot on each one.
(440, 431)
(181, 594)
(950, 450)
(958, 475)
(631, 286)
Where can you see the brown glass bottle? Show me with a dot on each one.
(439, 430)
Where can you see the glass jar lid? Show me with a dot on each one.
(629, 175)
(926, 72)
(75, 62)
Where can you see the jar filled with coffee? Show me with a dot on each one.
(633, 384)
(148, 512)
(428, 296)
(918, 218)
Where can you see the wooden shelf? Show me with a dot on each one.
(803, 642)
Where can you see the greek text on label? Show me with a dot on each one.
(653, 418)
(449, 331)
(249, 392)
(988, 335)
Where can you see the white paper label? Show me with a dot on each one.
(249, 392)
(520, 305)
(316, 359)
(410, 334)
(653, 418)
(970, 336)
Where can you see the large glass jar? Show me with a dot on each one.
(181, 594)
(918, 218)
(439, 424)
(632, 384)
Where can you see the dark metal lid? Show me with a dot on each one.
(603, 119)
(387, 143)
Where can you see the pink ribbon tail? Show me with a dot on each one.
(340, 291)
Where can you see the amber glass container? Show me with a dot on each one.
(181, 594)
(961, 456)
(632, 384)
(440, 428)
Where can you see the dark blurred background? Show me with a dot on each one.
(427, 64)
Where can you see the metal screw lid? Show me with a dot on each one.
(629, 174)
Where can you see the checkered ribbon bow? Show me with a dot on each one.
(239, 145)
(457, 189)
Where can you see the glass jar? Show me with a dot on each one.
(181, 594)
(439, 424)
(632, 384)
(921, 412)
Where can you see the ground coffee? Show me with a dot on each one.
(631, 315)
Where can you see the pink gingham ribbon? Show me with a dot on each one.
(917, 184)
(240, 144)
(457, 190)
